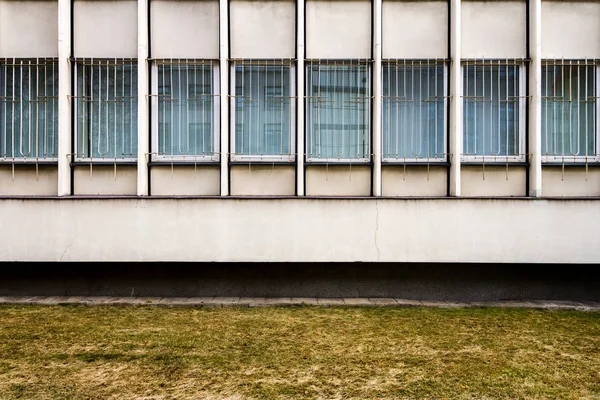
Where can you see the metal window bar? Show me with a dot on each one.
(338, 110)
(29, 109)
(263, 107)
(187, 101)
(414, 110)
(570, 110)
(106, 109)
(493, 104)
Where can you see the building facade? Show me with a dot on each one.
(314, 130)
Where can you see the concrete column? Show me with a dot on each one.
(224, 83)
(64, 98)
(143, 100)
(377, 99)
(456, 117)
(535, 99)
(300, 7)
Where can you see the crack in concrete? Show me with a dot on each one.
(64, 252)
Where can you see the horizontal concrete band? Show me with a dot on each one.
(443, 230)
(292, 301)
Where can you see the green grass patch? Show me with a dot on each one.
(149, 352)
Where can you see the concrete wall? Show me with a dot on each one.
(263, 180)
(28, 180)
(105, 179)
(493, 180)
(28, 28)
(184, 29)
(292, 229)
(185, 180)
(413, 180)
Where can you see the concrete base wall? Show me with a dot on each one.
(446, 282)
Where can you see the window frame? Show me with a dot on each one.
(522, 109)
(562, 159)
(155, 128)
(91, 159)
(38, 62)
(283, 158)
(343, 62)
(445, 95)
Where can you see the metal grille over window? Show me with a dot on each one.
(186, 110)
(570, 110)
(493, 110)
(28, 109)
(414, 110)
(264, 107)
(106, 101)
(338, 110)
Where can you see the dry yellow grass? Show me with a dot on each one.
(149, 352)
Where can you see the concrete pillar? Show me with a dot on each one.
(456, 117)
(535, 99)
(64, 98)
(377, 98)
(224, 83)
(143, 155)
(300, 6)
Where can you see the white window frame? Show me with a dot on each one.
(293, 113)
(215, 157)
(360, 160)
(522, 107)
(39, 63)
(445, 95)
(96, 160)
(552, 159)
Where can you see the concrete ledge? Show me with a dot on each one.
(291, 302)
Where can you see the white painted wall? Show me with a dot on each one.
(28, 28)
(494, 29)
(25, 180)
(493, 180)
(263, 180)
(262, 28)
(184, 29)
(188, 180)
(398, 181)
(571, 29)
(570, 182)
(105, 180)
(434, 230)
(338, 29)
(105, 28)
(415, 29)
(338, 180)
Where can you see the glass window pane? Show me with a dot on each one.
(29, 109)
(568, 110)
(491, 110)
(107, 110)
(338, 111)
(263, 123)
(413, 117)
(186, 105)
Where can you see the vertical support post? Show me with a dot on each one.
(64, 98)
(300, 7)
(535, 99)
(143, 155)
(377, 99)
(456, 105)
(224, 84)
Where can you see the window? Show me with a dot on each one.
(106, 109)
(263, 110)
(338, 110)
(414, 111)
(28, 109)
(493, 111)
(185, 110)
(570, 110)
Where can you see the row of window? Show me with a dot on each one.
(338, 100)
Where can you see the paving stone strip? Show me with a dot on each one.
(293, 301)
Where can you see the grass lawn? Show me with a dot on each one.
(150, 352)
